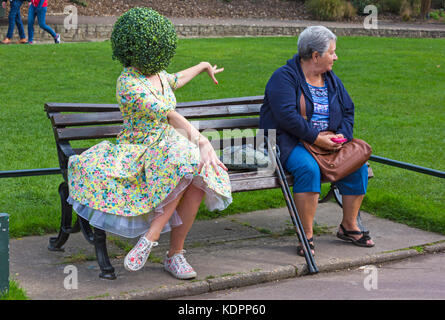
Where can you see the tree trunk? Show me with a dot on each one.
(425, 7)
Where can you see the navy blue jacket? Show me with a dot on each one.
(281, 107)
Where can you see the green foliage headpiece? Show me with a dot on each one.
(144, 39)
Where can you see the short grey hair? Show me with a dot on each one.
(314, 38)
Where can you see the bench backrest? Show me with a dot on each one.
(83, 121)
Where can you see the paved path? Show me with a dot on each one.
(416, 278)
(235, 251)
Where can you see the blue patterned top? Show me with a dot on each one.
(320, 117)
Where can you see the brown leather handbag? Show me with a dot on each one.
(335, 165)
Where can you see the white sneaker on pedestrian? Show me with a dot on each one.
(179, 267)
(57, 38)
(137, 256)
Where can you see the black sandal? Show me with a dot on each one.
(300, 250)
(361, 242)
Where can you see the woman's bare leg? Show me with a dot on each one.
(187, 209)
(351, 207)
(158, 224)
(306, 204)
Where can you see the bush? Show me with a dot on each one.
(361, 4)
(349, 10)
(392, 6)
(330, 9)
(144, 39)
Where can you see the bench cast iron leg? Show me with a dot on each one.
(98, 238)
(100, 245)
(56, 243)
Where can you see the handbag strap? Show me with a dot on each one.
(303, 106)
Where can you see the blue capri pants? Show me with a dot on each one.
(307, 175)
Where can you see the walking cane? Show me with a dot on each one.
(312, 267)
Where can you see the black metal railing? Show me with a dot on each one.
(29, 172)
(408, 166)
(390, 162)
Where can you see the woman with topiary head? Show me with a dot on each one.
(156, 175)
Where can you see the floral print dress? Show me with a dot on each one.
(122, 187)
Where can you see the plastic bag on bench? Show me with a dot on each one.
(244, 157)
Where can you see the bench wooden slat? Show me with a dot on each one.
(84, 119)
(220, 111)
(84, 133)
(81, 119)
(255, 180)
(220, 102)
(220, 124)
(51, 107)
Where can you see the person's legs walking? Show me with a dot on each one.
(41, 17)
(19, 24)
(31, 19)
(13, 12)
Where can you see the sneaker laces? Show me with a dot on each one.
(145, 244)
(179, 260)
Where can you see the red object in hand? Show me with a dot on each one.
(339, 140)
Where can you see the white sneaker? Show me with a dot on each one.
(137, 256)
(57, 38)
(179, 267)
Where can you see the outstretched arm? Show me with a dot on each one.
(208, 154)
(188, 74)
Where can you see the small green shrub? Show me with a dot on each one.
(415, 7)
(434, 15)
(361, 4)
(409, 9)
(330, 9)
(80, 3)
(144, 39)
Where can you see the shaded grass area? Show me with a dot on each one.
(396, 85)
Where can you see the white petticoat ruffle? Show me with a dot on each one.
(134, 226)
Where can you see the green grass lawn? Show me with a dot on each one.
(15, 292)
(397, 86)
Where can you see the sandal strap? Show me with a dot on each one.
(348, 232)
(365, 237)
(311, 245)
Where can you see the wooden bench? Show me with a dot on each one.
(82, 122)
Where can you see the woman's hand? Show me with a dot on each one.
(325, 142)
(211, 71)
(208, 157)
(188, 74)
